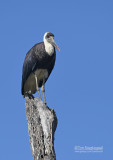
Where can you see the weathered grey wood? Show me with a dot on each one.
(42, 123)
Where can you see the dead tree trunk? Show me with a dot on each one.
(42, 123)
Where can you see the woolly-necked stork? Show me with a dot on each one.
(38, 64)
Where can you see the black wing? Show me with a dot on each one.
(30, 63)
(37, 58)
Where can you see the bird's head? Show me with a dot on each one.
(49, 39)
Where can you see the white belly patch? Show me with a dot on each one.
(30, 84)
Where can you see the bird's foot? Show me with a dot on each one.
(29, 95)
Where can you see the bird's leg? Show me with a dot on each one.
(43, 92)
(37, 88)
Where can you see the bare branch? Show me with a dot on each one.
(42, 123)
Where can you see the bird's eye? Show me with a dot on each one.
(48, 36)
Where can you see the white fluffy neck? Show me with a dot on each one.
(48, 47)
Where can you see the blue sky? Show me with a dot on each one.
(80, 88)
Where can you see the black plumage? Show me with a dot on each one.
(38, 64)
(37, 58)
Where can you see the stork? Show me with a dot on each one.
(38, 64)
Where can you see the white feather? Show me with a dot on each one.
(48, 47)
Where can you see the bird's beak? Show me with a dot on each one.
(54, 44)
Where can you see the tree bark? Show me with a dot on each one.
(42, 123)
